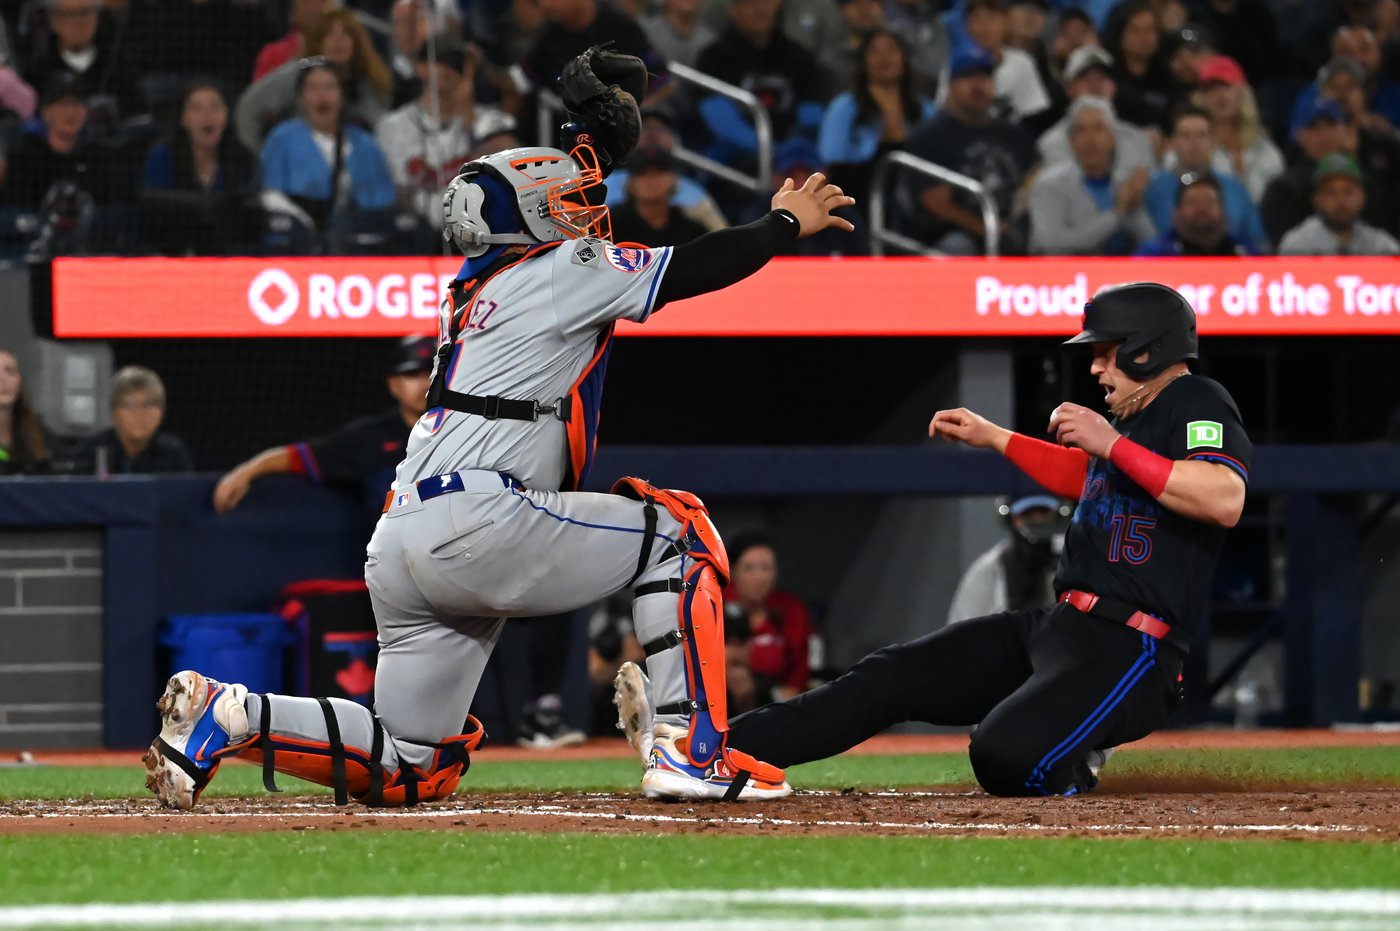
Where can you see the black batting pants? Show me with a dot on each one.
(1044, 687)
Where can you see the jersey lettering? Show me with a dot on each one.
(626, 258)
(1129, 540)
(477, 317)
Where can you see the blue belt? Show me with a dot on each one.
(438, 485)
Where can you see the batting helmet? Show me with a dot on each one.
(544, 199)
(1141, 316)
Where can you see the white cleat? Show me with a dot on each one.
(671, 775)
(199, 717)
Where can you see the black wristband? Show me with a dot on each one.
(793, 226)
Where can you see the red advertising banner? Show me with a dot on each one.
(145, 297)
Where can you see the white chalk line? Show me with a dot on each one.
(987, 907)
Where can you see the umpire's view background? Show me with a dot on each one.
(158, 129)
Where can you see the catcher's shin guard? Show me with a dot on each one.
(700, 631)
(356, 772)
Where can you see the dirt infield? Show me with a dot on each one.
(1126, 806)
(1351, 814)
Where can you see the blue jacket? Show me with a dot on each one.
(844, 141)
(294, 165)
(1240, 212)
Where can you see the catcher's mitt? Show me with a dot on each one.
(601, 89)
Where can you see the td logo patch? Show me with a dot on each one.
(627, 259)
(1204, 434)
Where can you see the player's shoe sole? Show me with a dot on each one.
(197, 716)
(634, 714)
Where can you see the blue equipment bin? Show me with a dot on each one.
(246, 648)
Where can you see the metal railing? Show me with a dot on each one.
(551, 108)
(881, 234)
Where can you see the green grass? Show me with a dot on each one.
(1295, 766)
(58, 869)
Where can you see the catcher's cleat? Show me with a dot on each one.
(198, 719)
(671, 775)
(634, 714)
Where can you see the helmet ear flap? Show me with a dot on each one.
(463, 215)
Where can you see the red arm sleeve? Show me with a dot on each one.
(1058, 468)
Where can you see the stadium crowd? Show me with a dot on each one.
(1152, 127)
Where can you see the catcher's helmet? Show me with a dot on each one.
(547, 187)
(1141, 316)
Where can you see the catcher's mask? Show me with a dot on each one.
(1141, 315)
(550, 192)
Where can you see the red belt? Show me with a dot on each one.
(1155, 628)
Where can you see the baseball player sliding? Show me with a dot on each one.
(1052, 690)
(484, 521)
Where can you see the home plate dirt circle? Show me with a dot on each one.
(1351, 813)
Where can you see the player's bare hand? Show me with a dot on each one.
(812, 204)
(230, 490)
(1080, 427)
(973, 429)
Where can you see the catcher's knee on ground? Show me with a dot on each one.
(369, 771)
(1006, 764)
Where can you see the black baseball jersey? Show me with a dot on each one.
(364, 454)
(1124, 545)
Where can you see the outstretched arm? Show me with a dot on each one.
(719, 259)
(1056, 468)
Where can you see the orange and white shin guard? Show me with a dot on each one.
(700, 631)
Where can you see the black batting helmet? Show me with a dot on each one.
(1141, 316)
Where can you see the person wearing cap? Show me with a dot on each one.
(1317, 132)
(1336, 228)
(360, 456)
(1089, 73)
(1244, 149)
(647, 216)
(752, 51)
(1093, 204)
(1191, 148)
(77, 47)
(966, 137)
(1366, 136)
(1382, 96)
(1018, 86)
(1198, 224)
(1017, 572)
(427, 141)
(53, 150)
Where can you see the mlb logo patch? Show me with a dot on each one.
(627, 259)
(401, 500)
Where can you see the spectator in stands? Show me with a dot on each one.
(300, 15)
(135, 443)
(925, 38)
(690, 196)
(571, 26)
(1185, 51)
(1317, 133)
(17, 99)
(1089, 73)
(362, 455)
(1145, 91)
(1018, 572)
(647, 216)
(1091, 205)
(1026, 29)
(168, 41)
(24, 442)
(104, 79)
(774, 623)
(1074, 30)
(1199, 226)
(1336, 228)
(426, 142)
(1244, 149)
(321, 161)
(813, 24)
(873, 118)
(965, 137)
(1190, 149)
(338, 38)
(201, 155)
(1021, 96)
(53, 153)
(861, 18)
(414, 23)
(754, 53)
(1367, 137)
(1381, 96)
(676, 31)
(1247, 31)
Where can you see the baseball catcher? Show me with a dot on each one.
(485, 519)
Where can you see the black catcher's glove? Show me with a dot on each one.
(601, 89)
